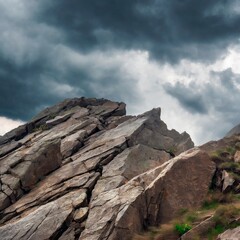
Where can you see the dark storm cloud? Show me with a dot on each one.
(36, 71)
(170, 30)
(188, 97)
(219, 99)
(27, 89)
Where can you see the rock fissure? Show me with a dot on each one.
(36, 227)
(59, 232)
(94, 173)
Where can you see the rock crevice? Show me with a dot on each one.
(82, 169)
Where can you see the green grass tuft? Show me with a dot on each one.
(182, 228)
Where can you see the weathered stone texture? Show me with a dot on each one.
(83, 170)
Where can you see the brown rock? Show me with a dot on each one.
(12, 185)
(54, 186)
(43, 223)
(22, 170)
(80, 214)
(4, 201)
(9, 148)
(80, 113)
(128, 164)
(237, 145)
(105, 110)
(69, 234)
(39, 161)
(72, 143)
(153, 197)
(57, 120)
(192, 170)
(83, 164)
(228, 181)
(15, 134)
(237, 157)
(156, 135)
(231, 234)
(200, 230)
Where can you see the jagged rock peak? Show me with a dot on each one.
(66, 107)
(79, 168)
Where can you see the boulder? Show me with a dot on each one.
(231, 234)
(150, 198)
(228, 181)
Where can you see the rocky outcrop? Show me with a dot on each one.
(201, 229)
(227, 180)
(83, 170)
(225, 153)
(150, 198)
(231, 234)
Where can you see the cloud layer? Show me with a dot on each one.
(180, 55)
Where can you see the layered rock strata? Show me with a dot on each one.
(82, 169)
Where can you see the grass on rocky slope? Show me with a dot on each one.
(222, 210)
(225, 209)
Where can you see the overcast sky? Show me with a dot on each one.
(182, 56)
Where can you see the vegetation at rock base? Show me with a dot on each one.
(172, 150)
(220, 210)
(230, 166)
(223, 216)
(182, 228)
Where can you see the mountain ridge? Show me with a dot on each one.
(82, 169)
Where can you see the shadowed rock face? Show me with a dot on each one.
(83, 170)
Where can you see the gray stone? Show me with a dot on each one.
(38, 162)
(71, 144)
(9, 148)
(57, 120)
(228, 181)
(80, 214)
(128, 164)
(83, 168)
(231, 234)
(153, 197)
(43, 223)
(4, 201)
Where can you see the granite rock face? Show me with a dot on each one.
(82, 169)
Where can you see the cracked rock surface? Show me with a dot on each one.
(82, 169)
